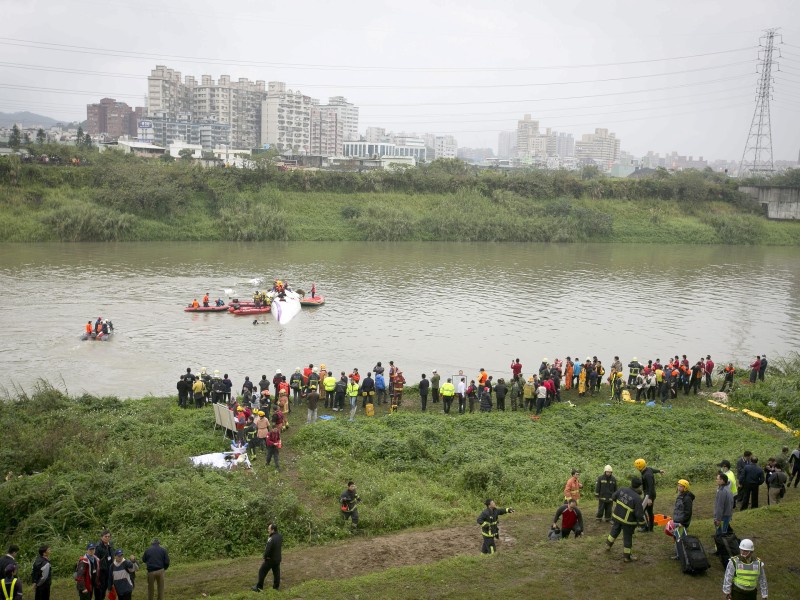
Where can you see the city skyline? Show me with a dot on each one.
(652, 76)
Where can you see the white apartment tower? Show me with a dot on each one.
(286, 119)
(347, 114)
(445, 146)
(529, 141)
(601, 146)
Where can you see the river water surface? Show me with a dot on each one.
(423, 305)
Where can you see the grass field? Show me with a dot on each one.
(423, 477)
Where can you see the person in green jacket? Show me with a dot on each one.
(352, 394)
(435, 379)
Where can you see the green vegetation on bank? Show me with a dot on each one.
(123, 198)
(80, 464)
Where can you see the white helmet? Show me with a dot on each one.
(746, 545)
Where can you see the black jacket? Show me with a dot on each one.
(501, 390)
(488, 521)
(683, 509)
(753, 474)
(628, 508)
(368, 384)
(156, 558)
(424, 386)
(41, 574)
(272, 553)
(105, 556)
(605, 487)
(649, 483)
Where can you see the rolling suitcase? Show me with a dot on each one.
(727, 546)
(691, 554)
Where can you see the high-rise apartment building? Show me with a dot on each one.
(111, 118)
(348, 115)
(286, 119)
(561, 144)
(445, 146)
(327, 131)
(233, 103)
(601, 147)
(529, 143)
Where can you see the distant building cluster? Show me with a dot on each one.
(227, 119)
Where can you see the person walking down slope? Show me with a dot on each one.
(744, 575)
(489, 528)
(349, 503)
(627, 513)
(604, 488)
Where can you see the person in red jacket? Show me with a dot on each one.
(754, 367)
(87, 574)
(274, 443)
(571, 519)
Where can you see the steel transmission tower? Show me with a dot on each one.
(757, 156)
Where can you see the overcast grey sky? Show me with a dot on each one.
(466, 68)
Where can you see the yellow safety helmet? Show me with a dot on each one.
(684, 483)
(640, 464)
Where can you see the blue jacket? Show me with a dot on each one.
(577, 368)
(380, 382)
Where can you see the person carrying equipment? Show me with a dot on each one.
(349, 503)
(488, 522)
(627, 514)
(744, 575)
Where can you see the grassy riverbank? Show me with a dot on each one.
(81, 464)
(119, 198)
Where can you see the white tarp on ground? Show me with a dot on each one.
(224, 460)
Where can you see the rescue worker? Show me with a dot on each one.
(349, 502)
(329, 383)
(572, 490)
(488, 522)
(604, 488)
(195, 303)
(10, 584)
(627, 513)
(296, 383)
(649, 483)
(616, 387)
(635, 368)
(744, 575)
(571, 519)
(88, 329)
(448, 392)
(728, 373)
(205, 300)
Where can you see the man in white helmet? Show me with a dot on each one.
(744, 575)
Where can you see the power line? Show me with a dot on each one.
(408, 87)
(230, 62)
(699, 83)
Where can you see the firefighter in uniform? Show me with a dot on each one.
(744, 575)
(627, 513)
(488, 522)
